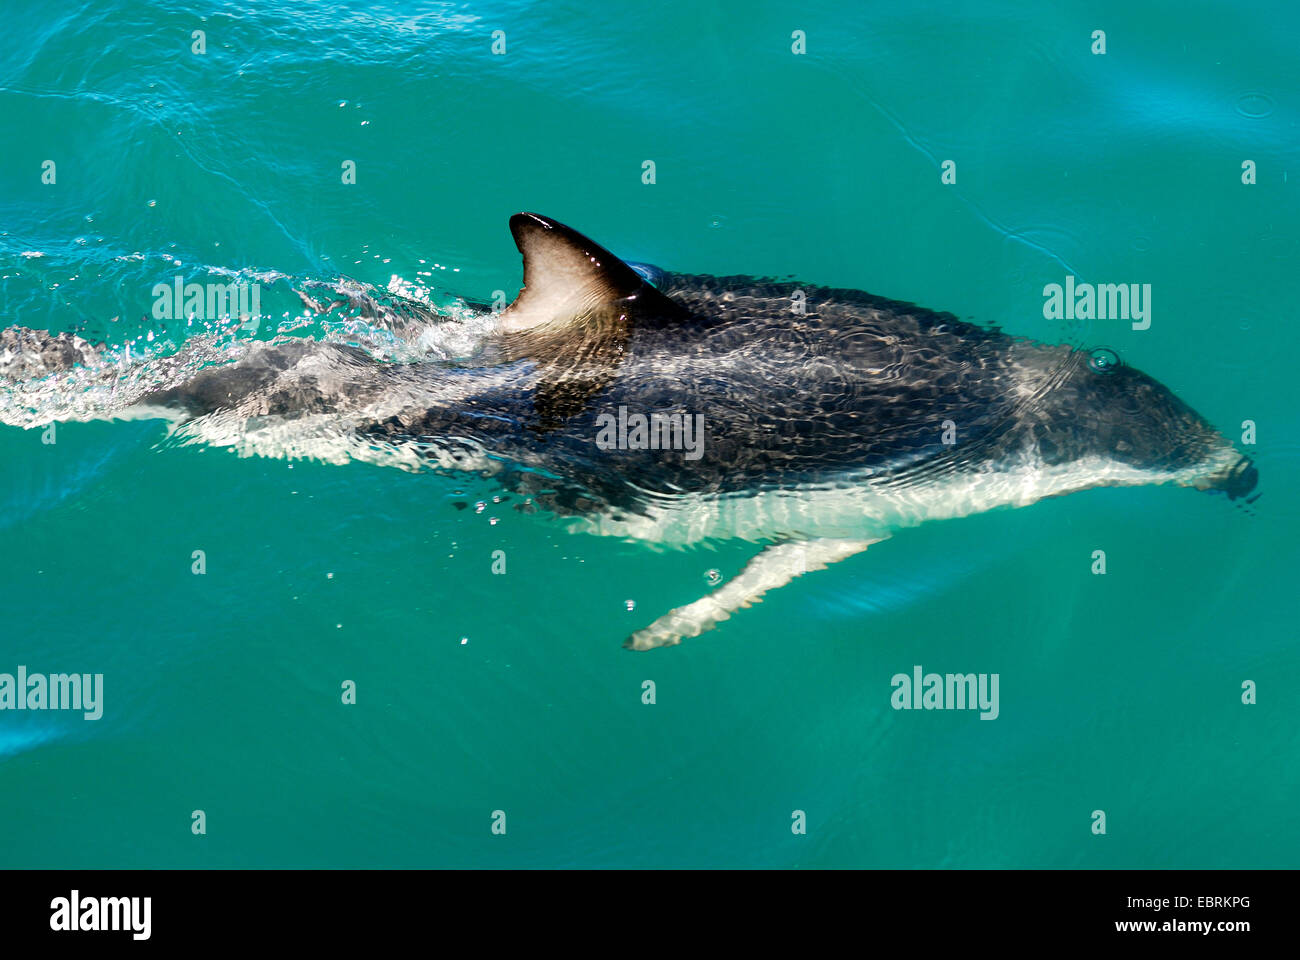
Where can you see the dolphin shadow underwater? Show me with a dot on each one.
(813, 422)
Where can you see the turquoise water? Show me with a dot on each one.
(1120, 693)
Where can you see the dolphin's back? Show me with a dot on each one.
(856, 384)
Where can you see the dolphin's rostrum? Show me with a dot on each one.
(811, 421)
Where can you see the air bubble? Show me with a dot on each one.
(1103, 360)
(1255, 105)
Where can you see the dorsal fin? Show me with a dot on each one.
(574, 316)
(566, 275)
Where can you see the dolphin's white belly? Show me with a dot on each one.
(863, 509)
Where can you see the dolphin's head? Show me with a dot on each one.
(1135, 420)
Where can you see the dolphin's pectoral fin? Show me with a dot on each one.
(774, 567)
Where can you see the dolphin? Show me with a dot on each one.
(675, 409)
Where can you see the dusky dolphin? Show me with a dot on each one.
(810, 421)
